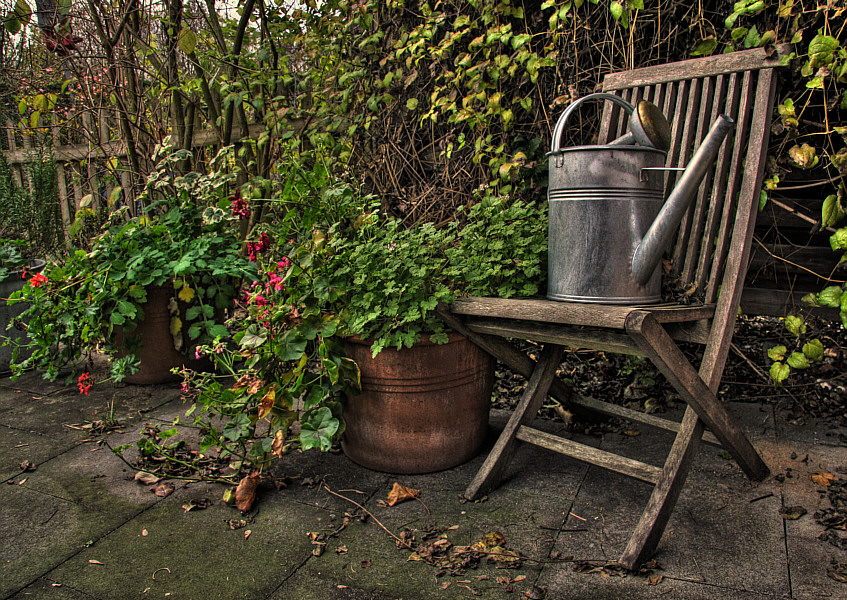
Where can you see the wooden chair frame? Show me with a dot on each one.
(710, 253)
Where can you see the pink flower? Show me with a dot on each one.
(197, 354)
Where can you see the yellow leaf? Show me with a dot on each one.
(186, 294)
(176, 325)
(823, 478)
(399, 493)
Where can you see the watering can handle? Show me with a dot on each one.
(563, 120)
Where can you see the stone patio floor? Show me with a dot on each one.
(79, 526)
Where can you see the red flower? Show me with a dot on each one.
(37, 280)
(239, 206)
(85, 382)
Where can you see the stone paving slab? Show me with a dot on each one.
(184, 555)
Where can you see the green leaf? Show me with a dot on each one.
(616, 9)
(412, 103)
(313, 397)
(705, 47)
(116, 318)
(795, 325)
(822, 50)
(831, 213)
(317, 428)
(830, 296)
(12, 24)
(777, 352)
(252, 338)
(779, 373)
(798, 360)
(187, 40)
(813, 349)
(838, 240)
(291, 346)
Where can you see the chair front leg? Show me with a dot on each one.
(492, 470)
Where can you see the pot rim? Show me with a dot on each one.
(36, 265)
(452, 338)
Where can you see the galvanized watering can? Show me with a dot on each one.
(609, 222)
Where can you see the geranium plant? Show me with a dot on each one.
(186, 240)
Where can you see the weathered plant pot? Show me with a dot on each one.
(158, 354)
(422, 409)
(8, 314)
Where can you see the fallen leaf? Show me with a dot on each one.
(792, 513)
(27, 466)
(654, 579)
(446, 584)
(229, 496)
(247, 533)
(236, 523)
(163, 490)
(631, 432)
(536, 593)
(823, 478)
(143, 533)
(341, 550)
(490, 540)
(147, 478)
(400, 493)
(23, 481)
(199, 504)
(245, 493)
(94, 562)
(519, 578)
(838, 573)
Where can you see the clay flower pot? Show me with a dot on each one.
(158, 354)
(422, 409)
(13, 283)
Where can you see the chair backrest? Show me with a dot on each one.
(712, 246)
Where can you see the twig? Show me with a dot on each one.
(367, 512)
(752, 365)
(761, 498)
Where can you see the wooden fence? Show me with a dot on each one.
(94, 162)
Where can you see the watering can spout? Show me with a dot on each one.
(650, 249)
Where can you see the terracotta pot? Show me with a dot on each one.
(8, 314)
(158, 355)
(422, 409)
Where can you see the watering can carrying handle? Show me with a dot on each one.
(563, 120)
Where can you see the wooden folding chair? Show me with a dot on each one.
(710, 253)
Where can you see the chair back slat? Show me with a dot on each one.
(692, 94)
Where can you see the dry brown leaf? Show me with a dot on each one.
(823, 478)
(146, 478)
(94, 562)
(267, 403)
(278, 443)
(341, 550)
(400, 493)
(247, 533)
(792, 513)
(245, 493)
(163, 489)
(654, 579)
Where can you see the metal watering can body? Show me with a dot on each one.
(609, 222)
